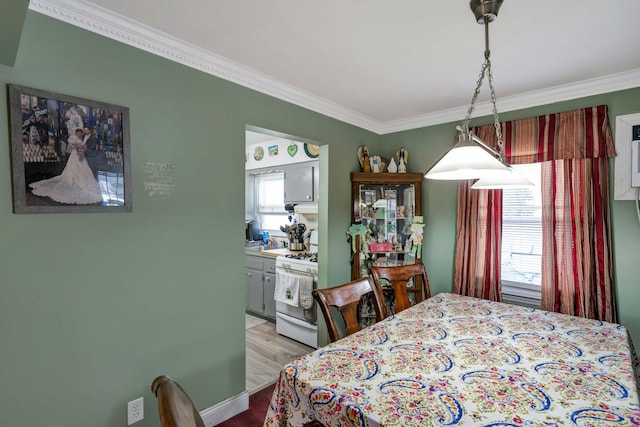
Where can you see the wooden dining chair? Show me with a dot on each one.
(405, 280)
(174, 405)
(346, 299)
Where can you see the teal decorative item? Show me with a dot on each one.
(358, 230)
(292, 149)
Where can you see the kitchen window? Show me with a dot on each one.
(270, 202)
(521, 257)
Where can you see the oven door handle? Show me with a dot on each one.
(293, 272)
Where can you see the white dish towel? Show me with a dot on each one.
(294, 289)
(306, 287)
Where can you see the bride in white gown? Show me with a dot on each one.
(76, 184)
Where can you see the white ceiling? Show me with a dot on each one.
(380, 64)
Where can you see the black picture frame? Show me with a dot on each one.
(51, 160)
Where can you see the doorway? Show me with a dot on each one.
(269, 153)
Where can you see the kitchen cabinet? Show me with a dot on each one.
(300, 183)
(260, 273)
(386, 205)
(316, 183)
(269, 289)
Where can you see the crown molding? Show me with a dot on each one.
(96, 19)
(610, 83)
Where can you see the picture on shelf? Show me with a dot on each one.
(368, 197)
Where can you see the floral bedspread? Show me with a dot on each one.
(458, 361)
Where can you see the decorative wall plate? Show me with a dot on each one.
(313, 151)
(292, 149)
(258, 153)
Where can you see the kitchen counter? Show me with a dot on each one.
(275, 252)
(279, 252)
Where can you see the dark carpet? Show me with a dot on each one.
(254, 416)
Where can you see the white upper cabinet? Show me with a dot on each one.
(299, 184)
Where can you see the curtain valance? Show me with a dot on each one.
(577, 134)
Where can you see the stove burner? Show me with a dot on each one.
(309, 256)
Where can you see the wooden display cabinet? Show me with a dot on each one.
(386, 204)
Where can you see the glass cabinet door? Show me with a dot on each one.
(386, 205)
(387, 211)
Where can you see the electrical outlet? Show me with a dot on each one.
(135, 411)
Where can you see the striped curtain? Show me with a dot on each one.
(478, 242)
(577, 265)
(574, 148)
(478, 238)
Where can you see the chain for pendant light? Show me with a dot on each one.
(486, 70)
(496, 119)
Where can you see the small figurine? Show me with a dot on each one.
(402, 168)
(392, 166)
(363, 158)
(375, 164)
(402, 156)
(417, 229)
(366, 165)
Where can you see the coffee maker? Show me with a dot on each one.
(252, 230)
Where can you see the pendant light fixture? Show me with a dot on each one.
(471, 157)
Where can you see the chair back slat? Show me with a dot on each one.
(346, 298)
(399, 277)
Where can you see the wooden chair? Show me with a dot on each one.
(399, 276)
(174, 405)
(346, 299)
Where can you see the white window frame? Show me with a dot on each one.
(522, 292)
(274, 210)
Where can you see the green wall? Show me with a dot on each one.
(440, 202)
(11, 22)
(94, 306)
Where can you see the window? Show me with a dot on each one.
(270, 202)
(521, 256)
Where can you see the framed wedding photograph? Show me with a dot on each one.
(68, 154)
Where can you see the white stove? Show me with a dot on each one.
(303, 262)
(297, 322)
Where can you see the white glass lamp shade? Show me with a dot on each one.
(512, 180)
(467, 160)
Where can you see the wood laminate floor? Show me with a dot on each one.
(267, 353)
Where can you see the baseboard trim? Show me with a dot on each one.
(262, 386)
(226, 409)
